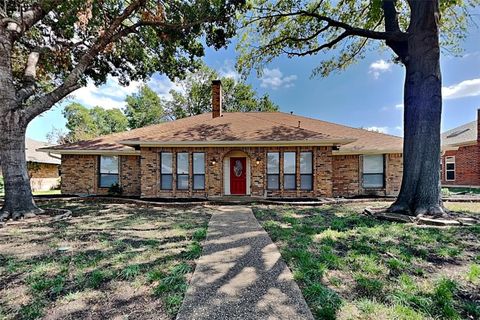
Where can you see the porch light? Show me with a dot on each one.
(258, 161)
(214, 161)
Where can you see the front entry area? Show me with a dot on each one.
(238, 176)
(236, 173)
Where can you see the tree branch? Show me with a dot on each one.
(29, 77)
(326, 45)
(354, 31)
(45, 102)
(37, 12)
(400, 47)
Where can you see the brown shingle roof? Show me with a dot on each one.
(33, 155)
(461, 135)
(238, 127)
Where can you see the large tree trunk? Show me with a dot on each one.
(420, 191)
(18, 194)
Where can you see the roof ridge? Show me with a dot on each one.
(458, 127)
(286, 124)
(343, 125)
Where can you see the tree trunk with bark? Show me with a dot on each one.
(420, 191)
(18, 194)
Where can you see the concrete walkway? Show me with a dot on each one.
(241, 274)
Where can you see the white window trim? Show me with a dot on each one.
(448, 160)
(383, 172)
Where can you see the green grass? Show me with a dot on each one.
(350, 266)
(139, 257)
(474, 191)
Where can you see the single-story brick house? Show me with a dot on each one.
(43, 168)
(258, 154)
(460, 161)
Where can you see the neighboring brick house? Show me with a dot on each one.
(460, 161)
(258, 154)
(43, 168)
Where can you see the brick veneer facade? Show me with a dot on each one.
(80, 175)
(467, 166)
(347, 176)
(467, 163)
(333, 175)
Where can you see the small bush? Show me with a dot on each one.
(115, 190)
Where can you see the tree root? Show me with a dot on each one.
(19, 214)
(404, 209)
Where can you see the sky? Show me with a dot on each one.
(368, 94)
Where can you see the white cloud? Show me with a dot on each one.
(399, 106)
(274, 78)
(111, 95)
(228, 70)
(467, 88)
(378, 129)
(162, 86)
(378, 67)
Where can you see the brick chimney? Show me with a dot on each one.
(216, 98)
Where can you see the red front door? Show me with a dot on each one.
(238, 176)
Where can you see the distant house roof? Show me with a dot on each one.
(240, 129)
(33, 155)
(463, 135)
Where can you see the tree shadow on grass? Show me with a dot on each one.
(65, 262)
(368, 258)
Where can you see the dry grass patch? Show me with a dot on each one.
(109, 260)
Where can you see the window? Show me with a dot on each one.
(306, 171)
(373, 171)
(450, 168)
(273, 170)
(198, 171)
(108, 171)
(289, 170)
(166, 171)
(182, 171)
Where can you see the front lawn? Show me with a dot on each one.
(350, 266)
(110, 260)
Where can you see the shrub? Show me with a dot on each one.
(115, 190)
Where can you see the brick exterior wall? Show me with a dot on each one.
(140, 175)
(467, 166)
(42, 170)
(43, 176)
(347, 176)
(80, 175)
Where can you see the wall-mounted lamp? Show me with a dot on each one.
(258, 161)
(214, 161)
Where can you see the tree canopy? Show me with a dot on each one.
(144, 108)
(86, 123)
(414, 30)
(350, 28)
(50, 48)
(195, 95)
